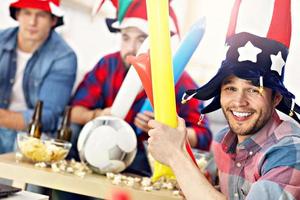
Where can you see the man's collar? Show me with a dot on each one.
(254, 142)
(12, 41)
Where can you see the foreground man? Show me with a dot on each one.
(257, 155)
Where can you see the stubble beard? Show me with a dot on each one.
(255, 126)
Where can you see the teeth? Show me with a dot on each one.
(241, 114)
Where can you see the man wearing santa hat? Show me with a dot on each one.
(258, 154)
(35, 64)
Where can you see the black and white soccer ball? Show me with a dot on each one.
(107, 144)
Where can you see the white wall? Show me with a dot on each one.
(91, 39)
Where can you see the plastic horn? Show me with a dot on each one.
(131, 86)
(182, 56)
(141, 64)
(161, 72)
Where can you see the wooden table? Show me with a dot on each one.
(91, 185)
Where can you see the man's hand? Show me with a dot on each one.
(165, 142)
(102, 112)
(141, 120)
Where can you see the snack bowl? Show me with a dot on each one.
(42, 150)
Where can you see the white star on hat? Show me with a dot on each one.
(277, 62)
(248, 52)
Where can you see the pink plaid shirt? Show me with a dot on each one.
(264, 166)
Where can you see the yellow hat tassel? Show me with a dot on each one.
(184, 99)
(292, 108)
(261, 84)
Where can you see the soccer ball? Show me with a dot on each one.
(107, 144)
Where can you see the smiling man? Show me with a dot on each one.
(258, 154)
(246, 109)
(34, 62)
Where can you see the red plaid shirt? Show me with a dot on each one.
(101, 85)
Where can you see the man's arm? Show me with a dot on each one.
(90, 94)
(190, 179)
(53, 88)
(167, 145)
(81, 115)
(12, 120)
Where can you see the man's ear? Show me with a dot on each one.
(277, 98)
(17, 14)
(54, 21)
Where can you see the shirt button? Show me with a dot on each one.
(12, 80)
(238, 164)
(236, 194)
(251, 153)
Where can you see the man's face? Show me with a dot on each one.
(34, 24)
(131, 40)
(245, 108)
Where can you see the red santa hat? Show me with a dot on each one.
(51, 6)
(134, 14)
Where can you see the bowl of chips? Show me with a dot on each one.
(42, 150)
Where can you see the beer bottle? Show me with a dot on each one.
(65, 132)
(35, 126)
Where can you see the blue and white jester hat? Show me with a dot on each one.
(256, 49)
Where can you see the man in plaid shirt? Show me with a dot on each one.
(97, 91)
(258, 154)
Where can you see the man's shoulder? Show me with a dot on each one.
(114, 55)
(286, 148)
(6, 34)
(57, 44)
(287, 130)
(288, 135)
(110, 60)
(287, 138)
(7, 31)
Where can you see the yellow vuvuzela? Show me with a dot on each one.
(161, 72)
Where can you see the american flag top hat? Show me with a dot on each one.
(51, 6)
(256, 49)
